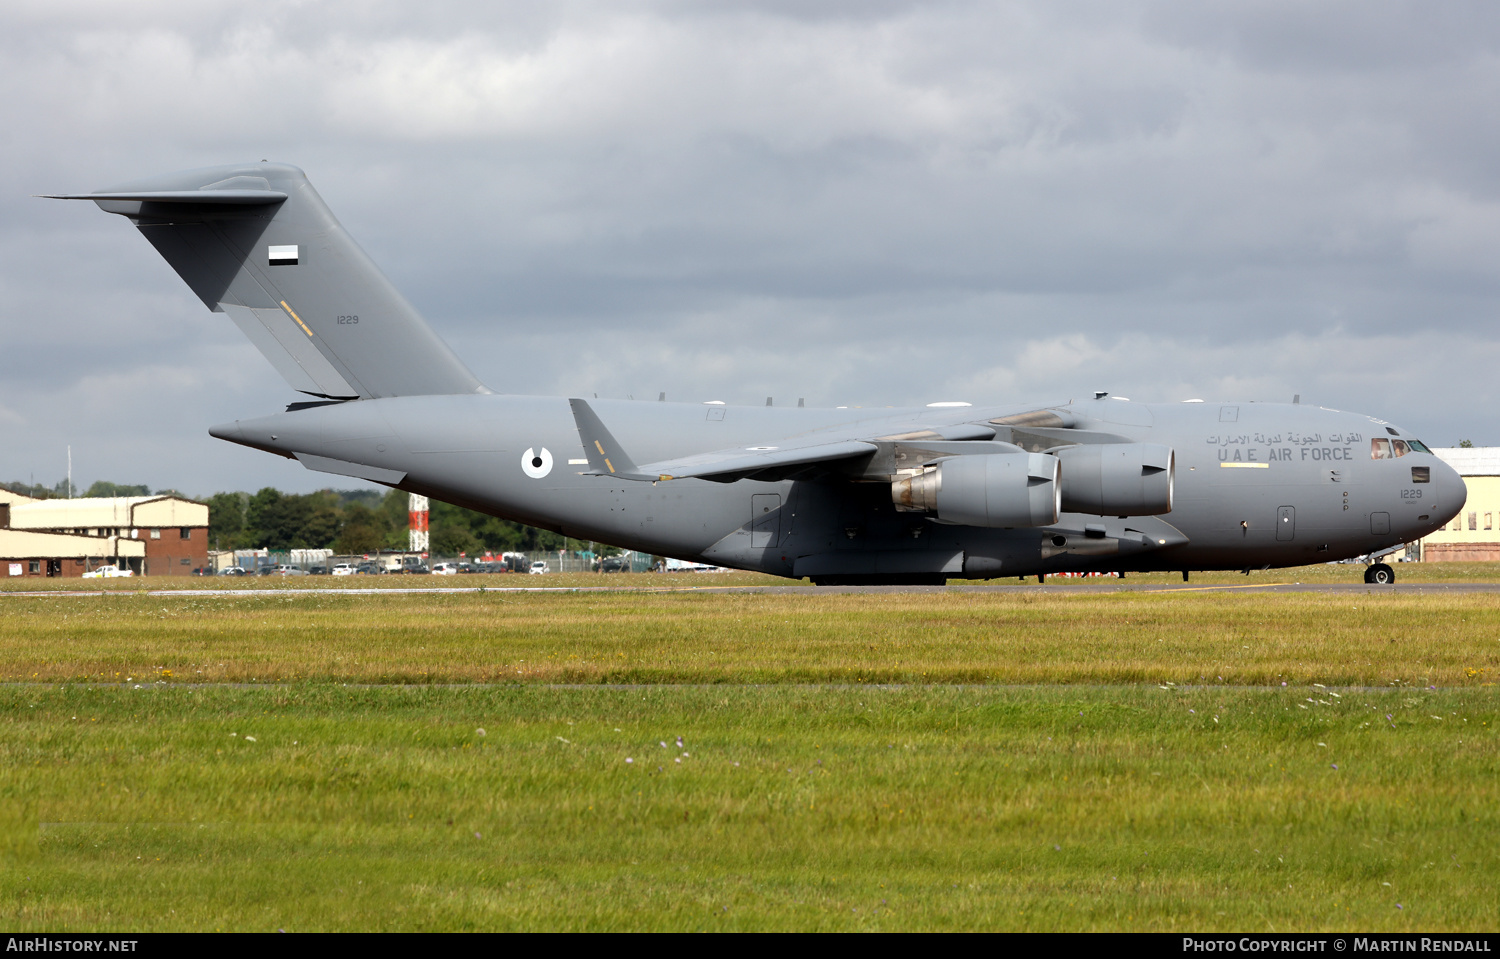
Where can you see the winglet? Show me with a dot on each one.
(606, 457)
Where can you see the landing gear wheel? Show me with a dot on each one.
(1380, 574)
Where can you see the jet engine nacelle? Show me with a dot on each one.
(999, 489)
(1118, 479)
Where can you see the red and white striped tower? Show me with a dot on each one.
(416, 508)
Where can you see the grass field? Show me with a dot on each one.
(638, 637)
(319, 807)
(1048, 760)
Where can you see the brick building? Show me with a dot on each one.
(151, 535)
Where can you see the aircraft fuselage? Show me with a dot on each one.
(1256, 484)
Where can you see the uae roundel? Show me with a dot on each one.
(536, 463)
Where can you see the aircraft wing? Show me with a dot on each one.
(883, 452)
(733, 464)
(608, 458)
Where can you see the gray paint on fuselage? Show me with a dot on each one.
(468, 450)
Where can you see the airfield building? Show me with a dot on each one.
(150, 535)
(1474, 534)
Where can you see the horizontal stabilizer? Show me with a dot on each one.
(232, 197)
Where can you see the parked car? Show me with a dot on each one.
(369, 569)
(317, 570)
(445, 569)
(287, 569)
(614, 564)
(540, 566)
(345, 569)
(265, 571)
(232, 571)
(108, 572)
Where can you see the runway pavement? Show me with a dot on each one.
(1070, 589)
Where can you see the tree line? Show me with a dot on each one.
(360, 521)
(345, 521)
(97, 488)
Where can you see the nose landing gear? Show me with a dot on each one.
(1380, 574)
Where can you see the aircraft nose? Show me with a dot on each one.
(1452, 491)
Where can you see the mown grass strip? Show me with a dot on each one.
(1225, 637)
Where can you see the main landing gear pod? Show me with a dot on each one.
(1118, 479)
(995, 490)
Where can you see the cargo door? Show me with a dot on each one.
(765, 520)
(1286, 523)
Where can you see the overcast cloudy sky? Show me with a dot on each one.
(854, 202)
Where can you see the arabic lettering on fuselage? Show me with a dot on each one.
(1311, 447)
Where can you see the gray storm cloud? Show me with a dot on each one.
(875, 203)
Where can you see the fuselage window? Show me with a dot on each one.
(1380, 448)
(1421, 474)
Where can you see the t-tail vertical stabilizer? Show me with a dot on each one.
(256, 242)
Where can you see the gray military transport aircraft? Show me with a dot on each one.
(842, 496)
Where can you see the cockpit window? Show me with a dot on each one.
(1384, 449)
